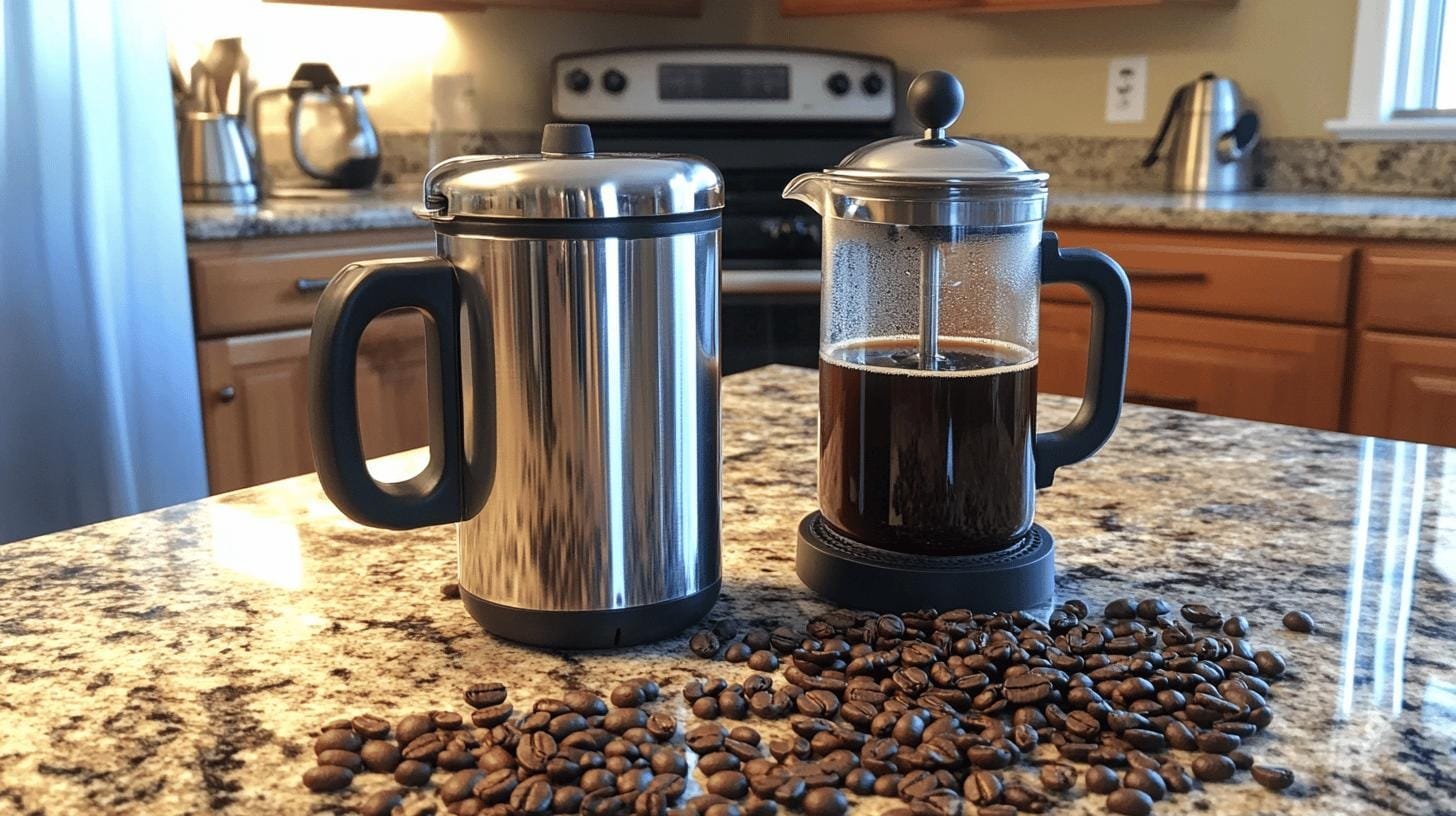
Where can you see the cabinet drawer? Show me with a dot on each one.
(1283, 279)
(265, 284)
(1408, 290)
(1237, 368)
(1405, 388)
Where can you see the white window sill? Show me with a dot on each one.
(1376, 130)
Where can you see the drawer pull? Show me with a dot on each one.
(226, 394)
(307, 286)
(1163, 401)
(1159, 276)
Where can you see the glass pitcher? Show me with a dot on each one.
(933, 260)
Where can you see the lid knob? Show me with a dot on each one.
(567, 140)
(935, 99)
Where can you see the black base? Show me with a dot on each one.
(592, 629)
(858, 576)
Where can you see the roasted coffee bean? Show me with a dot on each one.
(728, 784)
(1076, 751)
(1200, 614)
(1058, 777)
(1121, 609)
(704, 644)
(983, 787)
(1213, 767)
(1175, 777)
(738, 653)
(989, 757)
(705, 708)
(731, 704)
(633, 779)
(1236, 626)
(1216, 742)
(425, 748)
(485, 695)
(370, 727)
(1082, 725)
(1299, 622)
(381, 803)
(619, 720)
(338, 739)
(860, 781)
(461, 785)
(627, 695)
(717, 761)
(1025, 799)
(1180, 736)
(567, 799)
(825, 802)
(784, 640)
(1129, 802)
(1027, 689)
(818, 703)
(324, 778)
(705, 738)
(380, 756)
(1101, 779)
(585, 703)
(888, 785)
(1273, 777)
(446, 720)
(1152, 608)
(763, 660)
(412, 773)
(1147, 781)
(1242, 760)
(535, 751)
(455, 760)
(491, 716)
(1270, 663)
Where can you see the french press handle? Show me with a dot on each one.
(1106, 285)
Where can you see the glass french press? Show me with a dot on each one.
(929, 459)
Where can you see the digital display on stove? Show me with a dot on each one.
(699, 81)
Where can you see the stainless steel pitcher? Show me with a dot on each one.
(573, 388)
(1211, 136)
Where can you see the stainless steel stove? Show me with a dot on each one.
(762, 115)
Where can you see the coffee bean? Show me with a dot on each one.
(717, 761)
(1121, 609)
(485, 695)
(1027, 689)
(598, 779)
(1082, 725)
(452, 760)
(1270, 663)
(1180, 736)
(381, 803)
(731, 704)
(412, 773)
(1101, 779)
(619, 720)
(337, 739)
(728, 783)
(737, 652)
(634, 779)
(497, 786)
(704, 644)
(860, 781)
(983, 787)
(825, 802)
(1272, 777)
(1217, 742)
(534, 751)
(567, 799)
(461, 785)
(763, 660)
(1129, 802)
(341, 758)
(627, 695)
(380, 756)
(818, 703)
(1299, 622)
(784, 640)
(324, 778)
(492, 716)
(1175, 777)
(705, 738)
(705, 708)
(1058, 777)
(1243, 760)
(425, 747)
(1213, 767)
(370, 727)
(1025, 799)
(1147, 781)
(1152, 608)
(446, 720)
(1200, 614)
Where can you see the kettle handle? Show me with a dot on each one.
(1174, 104)
(1106, 285)
(357, 294)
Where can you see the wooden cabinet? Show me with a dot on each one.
(1238, 368)
(799, 8)
(253, 303)
(1405, 388)
(662, 8)
(1409, 289)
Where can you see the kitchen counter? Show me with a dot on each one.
(1317, 214)
(182, 660)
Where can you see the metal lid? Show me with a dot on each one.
(568, 179)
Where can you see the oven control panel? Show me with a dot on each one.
(722, 84)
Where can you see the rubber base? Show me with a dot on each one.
(858, 576)
(592, 629)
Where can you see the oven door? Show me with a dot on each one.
(770, 316)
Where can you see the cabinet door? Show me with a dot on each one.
(803, 8)
(1237, 368)
(255, 400)
(1405, 388)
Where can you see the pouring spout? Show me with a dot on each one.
(808, 188)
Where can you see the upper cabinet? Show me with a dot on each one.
(793, 8)
(660, 8)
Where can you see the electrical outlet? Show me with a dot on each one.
(1127, 89)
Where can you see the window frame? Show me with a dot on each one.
(1378, 79)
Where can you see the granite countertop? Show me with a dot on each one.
(182, 660)
(1316, 214)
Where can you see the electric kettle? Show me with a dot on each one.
(332, 137)
(573, 388)
(1211, 135)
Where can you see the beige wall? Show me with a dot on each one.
(1042, 72)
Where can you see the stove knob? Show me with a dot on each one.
(872, 84)
(838, 83)
(578, 80)
(614, 81)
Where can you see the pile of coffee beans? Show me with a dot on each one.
(950, 713)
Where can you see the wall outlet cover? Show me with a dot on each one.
(1127, 89)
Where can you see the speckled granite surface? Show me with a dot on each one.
(180, 661)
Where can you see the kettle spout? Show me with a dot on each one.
(808, 188)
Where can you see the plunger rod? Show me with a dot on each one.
(930, 306)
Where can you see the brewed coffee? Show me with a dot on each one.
(928, 461)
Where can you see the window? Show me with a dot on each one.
(1403, 80)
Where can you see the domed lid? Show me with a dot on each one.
(568, 179)
(956, 163)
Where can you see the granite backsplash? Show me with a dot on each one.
(1080, 162)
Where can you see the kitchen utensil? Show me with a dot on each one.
(573, 387)
(933, 260)
(333, 139)
(216, 164)
(1211, 136)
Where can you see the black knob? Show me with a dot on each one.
(872, 84)
(838, 83)
(567, 139)
(578, 80)
(935, 99)
(614, 81)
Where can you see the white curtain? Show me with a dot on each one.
(99, 411)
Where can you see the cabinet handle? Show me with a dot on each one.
(227, 393)
(307, 286)
(1164, 401)
(1160, 276)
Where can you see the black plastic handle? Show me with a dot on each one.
(1174, 105)
(1106, 285)
(357, 295)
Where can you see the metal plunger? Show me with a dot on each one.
(930, 264)
(935, 99)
